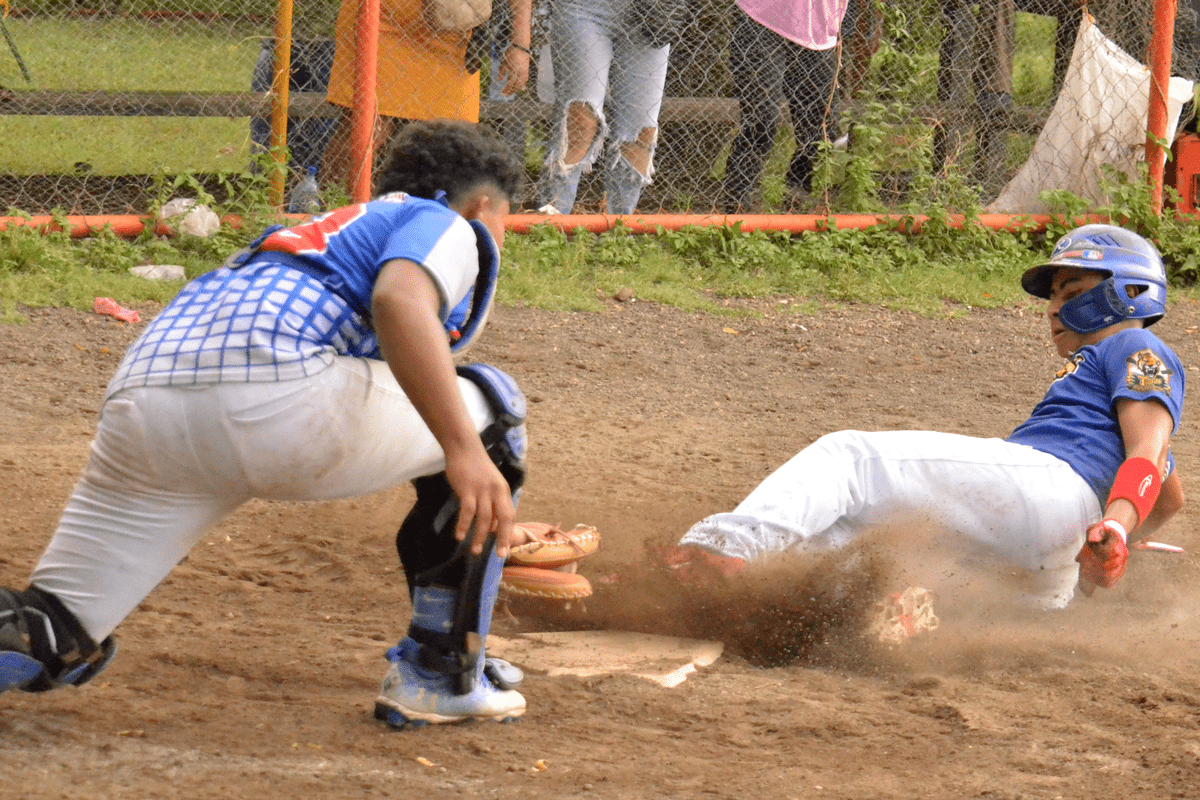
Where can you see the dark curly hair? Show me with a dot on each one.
(426, 156)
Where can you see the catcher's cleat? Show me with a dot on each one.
(502, 674)
(42, 645)
(903, 615)
(692, 564)
(412, 697)
(17, 669)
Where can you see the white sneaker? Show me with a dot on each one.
(412, 697)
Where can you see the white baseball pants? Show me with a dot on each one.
(169, 462)
(1029, 509)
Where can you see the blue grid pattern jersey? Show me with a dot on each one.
(302, 298)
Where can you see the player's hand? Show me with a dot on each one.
(1104, 554)
(485, 502)
(514, 71)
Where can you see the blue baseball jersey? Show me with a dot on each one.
(302, 297)
(1077, 419)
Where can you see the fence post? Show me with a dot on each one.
(366, 34)
(1160, 79)
(280, 83)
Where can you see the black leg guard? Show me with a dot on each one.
(43, 646)
(426, 537)
(452, 590)
(452, 612)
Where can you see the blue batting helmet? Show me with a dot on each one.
(1127, 260)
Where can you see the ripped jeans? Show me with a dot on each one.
(594, 50)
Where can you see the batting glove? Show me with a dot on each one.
(1104, 554)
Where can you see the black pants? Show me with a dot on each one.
(766, 69)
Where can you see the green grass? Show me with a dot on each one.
(127, 146)
(131, 54)
(1033, 64)
(128, 55)
(939, 272)
(40, 270)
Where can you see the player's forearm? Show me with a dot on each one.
(1170, 501)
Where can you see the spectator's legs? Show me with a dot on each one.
(582, 52)
(260, 81)
(1069, 17)
(757, 79)
(993, 49)
(861, 31)
(635, 95)
(993, 92)
(808, 85)
(306, 137)
(511, 126)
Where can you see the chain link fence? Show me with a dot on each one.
(114, 105)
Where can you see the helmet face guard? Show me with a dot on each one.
(1095, 309)
(1135, 285)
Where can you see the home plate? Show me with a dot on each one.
(666, 660)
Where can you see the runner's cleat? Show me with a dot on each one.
(692, 564)
(903, 615)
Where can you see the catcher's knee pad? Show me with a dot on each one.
(505, 438)
(452, 612)
(43, 646)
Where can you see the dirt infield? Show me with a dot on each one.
(251, 671)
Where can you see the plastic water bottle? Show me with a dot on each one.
(306, 197)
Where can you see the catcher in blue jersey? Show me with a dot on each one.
(1059, 498)
(317, 363)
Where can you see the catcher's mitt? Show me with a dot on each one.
(552, 547)
(545, 567)
(544, 584)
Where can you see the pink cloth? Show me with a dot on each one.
(106, 305)
(809, 23)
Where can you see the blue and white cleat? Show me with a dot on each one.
(18, 667)
(412, 697)
(33, 626)
(17, 670)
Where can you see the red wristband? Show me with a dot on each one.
(1137, 481)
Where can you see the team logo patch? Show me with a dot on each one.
(1147, 373)
(1069, 367)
